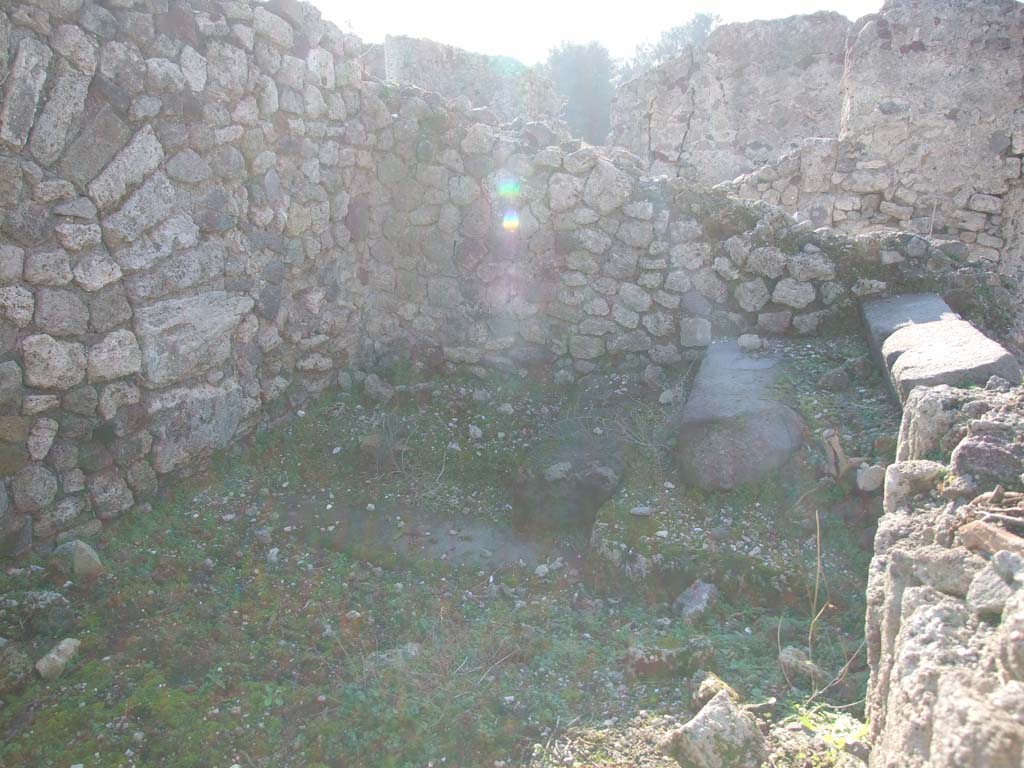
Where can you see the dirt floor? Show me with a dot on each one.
(347, 590)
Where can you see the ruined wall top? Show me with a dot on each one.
(507, 86)
(745, 96)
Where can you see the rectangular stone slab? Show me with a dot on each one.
(882, 317)
(919, 341)
(733, 429)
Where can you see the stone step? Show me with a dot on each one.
(919, 341)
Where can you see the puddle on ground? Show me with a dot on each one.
(416, 534)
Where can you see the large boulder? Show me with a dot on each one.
(732, 429)
(566, 478)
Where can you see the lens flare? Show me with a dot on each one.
(510, 222)
(508, 188)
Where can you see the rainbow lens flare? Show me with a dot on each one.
(508, 188)
(510, 222)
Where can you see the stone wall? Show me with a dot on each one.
(945, 618)
(932, 132)
(747, 95)
(506, 86)
(209, 212)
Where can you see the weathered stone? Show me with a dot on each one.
(752, 295)
(52, 364)
(12, 263)
(62, 111)
(564, 191)
(183, 337)
(794, 294)
(721, 736)
(74, 44)
(25, 85)
(76, 558)
(634, 298)
(694, 332)
(96, 270)
(110, 494)
(53, 664)
(273, 28)
(96, 145)
(565, 480)
(944, 352)
(48, 268)
(732, 430)
(906, 478)
(607, 187)
(134, 163)
(189, 167)
(150, 204)
(41, 438)
(17, 305)
(34, 488)
(61, 313)
(193, 67)
(188, 423)
(114, 356)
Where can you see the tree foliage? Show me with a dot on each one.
(582, 74)
(669, 45)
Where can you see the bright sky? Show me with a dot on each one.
(528, 29)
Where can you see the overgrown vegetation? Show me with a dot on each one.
(319, 598)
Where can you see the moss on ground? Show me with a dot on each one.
(235, 627)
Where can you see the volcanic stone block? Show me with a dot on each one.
(920, 341)
(732, 430)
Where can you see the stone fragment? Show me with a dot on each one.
(721, 736)
(71, 42)
(100, 139)
(193, 67)
(184, 337)
(980, 536)
(149, 205)
(273, 28)
(60, 312)
(48, 268)
(96, 270)
(564, 191)
(33, 488)
(994, 584)
(76, 558)
(62, 111)
(752, 295)
(190, 422)
(908, 478)
(116, 355)
(110, 494)
(53, 664)
(23, 89)
(134, 163)
(607, 187)
(695, 600)
(565, 479)
(17, 305)
(694, 332)
(870, 479)
(40, 439)
(791, 293)
(189, 167)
